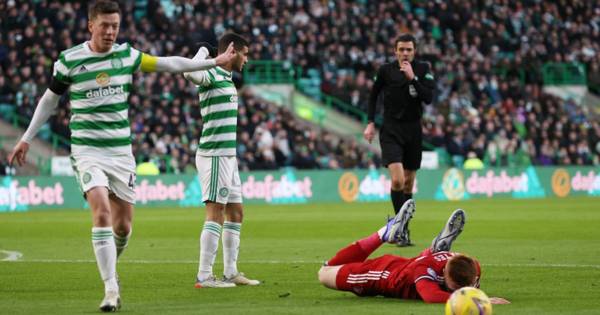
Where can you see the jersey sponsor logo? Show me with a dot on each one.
(82, 69)
(116, 63)
(103, 79)
(105, 91)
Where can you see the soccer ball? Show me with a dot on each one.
(468, 301)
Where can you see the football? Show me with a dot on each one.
(468, 301)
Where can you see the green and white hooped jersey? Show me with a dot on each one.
(99, 86)
(219, 108)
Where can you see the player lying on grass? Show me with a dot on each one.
(432, 276)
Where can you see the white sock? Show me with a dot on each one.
(231, 247)
(381, 231)
(121, 242)
(106, 256)
(209, 244)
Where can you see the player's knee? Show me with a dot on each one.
(102, 216)
(122, 230)
(397, 183)
(237, 216)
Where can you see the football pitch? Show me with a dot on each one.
(542, 255)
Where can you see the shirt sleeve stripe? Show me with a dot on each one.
(424, 277)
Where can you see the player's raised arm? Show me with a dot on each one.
(199, 77)
(181, 64)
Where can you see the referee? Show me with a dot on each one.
(406, 84)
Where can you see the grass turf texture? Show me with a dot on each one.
(540, 254)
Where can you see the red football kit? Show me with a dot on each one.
(421, 277)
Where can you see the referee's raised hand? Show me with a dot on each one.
(407, 69)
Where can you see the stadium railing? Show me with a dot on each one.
(504, 72)
(283, 72)
(57, 142)
(43, 163)
(564, 74)
(270, 72)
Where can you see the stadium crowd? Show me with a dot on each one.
(486, 55)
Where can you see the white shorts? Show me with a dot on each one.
(220, 179)
(117, 173)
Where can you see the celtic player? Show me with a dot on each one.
(217, 166)
(97, 75)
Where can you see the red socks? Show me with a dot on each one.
(357, 251)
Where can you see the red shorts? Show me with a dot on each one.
(369, 277)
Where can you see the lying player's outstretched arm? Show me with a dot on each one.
(431, 292)
(199, 77)
(499, 300)
(180, 64)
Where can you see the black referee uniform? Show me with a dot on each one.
(403, 100)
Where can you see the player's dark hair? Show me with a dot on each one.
(238, 42)
(462, 270)
(405, 38)
(103, 7)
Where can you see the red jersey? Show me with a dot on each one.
(421, 277)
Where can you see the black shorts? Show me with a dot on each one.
(401, 143)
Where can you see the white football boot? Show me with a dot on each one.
(451, 230)
(111, 302)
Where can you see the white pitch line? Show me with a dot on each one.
(544, 265)
(11, 255)
(137, 261)
(266, 262)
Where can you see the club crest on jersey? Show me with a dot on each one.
(116, 63)
(233, 98)
(103, 79)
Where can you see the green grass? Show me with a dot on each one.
(543, 255)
